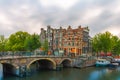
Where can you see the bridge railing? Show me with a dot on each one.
(19, 54)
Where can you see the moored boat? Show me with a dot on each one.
(113, 65)
(117, 60)
(102, 62)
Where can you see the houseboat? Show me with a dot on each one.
(102, 62)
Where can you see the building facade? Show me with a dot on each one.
(72, 42)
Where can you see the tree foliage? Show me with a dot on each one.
(116, 48)
(3, 42)
(105, 42)
(16, 41)
(32, 42)
(95, 43)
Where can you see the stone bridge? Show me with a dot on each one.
(22, 65)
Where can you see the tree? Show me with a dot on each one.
(32, 42)
(116, 48)
(2, 43)
(103, 42)
(16, 41)
(106, 42)
(96, 47)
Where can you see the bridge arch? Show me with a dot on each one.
(43, 63)
(12, 64)
(67, 62)
(9, 68)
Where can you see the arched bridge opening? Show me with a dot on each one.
(66, 63)
(42, 64)
(8, 69)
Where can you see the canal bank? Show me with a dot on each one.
(83, 62)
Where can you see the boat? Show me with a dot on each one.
(117, 60)
(113, 65)
(102, 62)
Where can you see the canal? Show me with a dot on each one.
(91, 73)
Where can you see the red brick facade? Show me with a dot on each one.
(71, 41)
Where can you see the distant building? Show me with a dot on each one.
(42, 35)
(71, 41)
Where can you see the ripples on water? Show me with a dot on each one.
(91, 73)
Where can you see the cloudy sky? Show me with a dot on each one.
(31, 15)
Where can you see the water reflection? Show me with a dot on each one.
(1, 71)
(91, 73)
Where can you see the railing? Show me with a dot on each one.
(10, 55)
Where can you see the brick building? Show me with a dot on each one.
(70, 41)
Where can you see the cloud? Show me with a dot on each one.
(114, 29)
(31, 15)
(4, 19)
(17, 16)
(66, 4)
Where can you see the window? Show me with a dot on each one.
(72, 38)
(68, 38)
(68, 44)
(72, 43)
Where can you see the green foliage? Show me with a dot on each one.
(116, 48)
(103, 42)
(20, 41)
(16, 41)
(95, 42)
(32, 42)
(2, 43)
(106, 42)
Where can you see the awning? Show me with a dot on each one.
(103, 54)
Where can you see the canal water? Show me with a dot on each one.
(91, 73)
